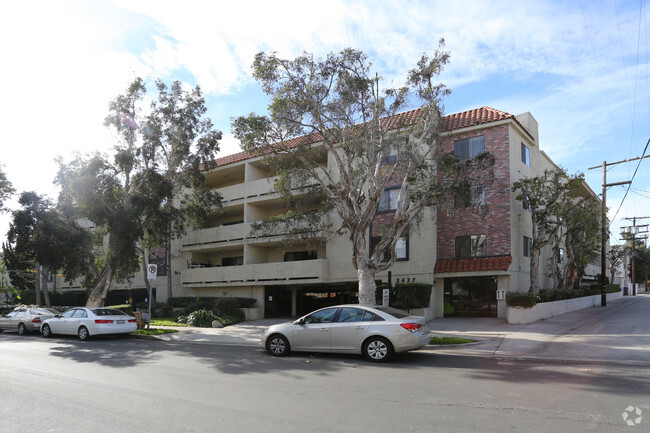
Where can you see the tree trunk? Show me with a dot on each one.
(43, 280)
(37, 285)
(98, 295)
(367, 287)
(534, 265)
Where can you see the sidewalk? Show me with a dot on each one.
(618, 333)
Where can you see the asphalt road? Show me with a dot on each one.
(136, 385)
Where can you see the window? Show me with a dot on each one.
(525, 154)
(391, 151)
(471, 246)
(476, 197)
(350, 315)
(528, 245)
(322, 316)
(560, 255)
(295, 256)
(401, 249)
(388, 201)
(525, 203)
(469, 147)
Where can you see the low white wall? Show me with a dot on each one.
(519, 315)
(253, 313)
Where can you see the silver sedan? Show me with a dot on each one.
(25, 319)
(376, 332)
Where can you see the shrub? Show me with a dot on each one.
(201, 318)
(166, 311)
(523, 300)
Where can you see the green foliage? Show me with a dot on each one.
(157, 331)
(201, 318)
(126, 308)
(150, 189)
(518, 299)
(450, 340)
(60, 299)
(340, 104)
(6, 189)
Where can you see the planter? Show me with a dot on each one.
(544, 310)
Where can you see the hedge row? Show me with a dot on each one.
(404, 296)
(529, 300)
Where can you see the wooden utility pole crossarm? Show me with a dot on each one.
(605, 227)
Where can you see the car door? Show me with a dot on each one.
(10, 321)
(64, 323)
(350, 329)
(314, 331)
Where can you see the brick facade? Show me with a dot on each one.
(493, 219)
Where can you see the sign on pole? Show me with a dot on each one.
(152, 270)
(385, 299)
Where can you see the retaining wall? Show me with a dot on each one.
(544, 310)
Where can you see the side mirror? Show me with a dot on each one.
(57, 316)
(300, 321)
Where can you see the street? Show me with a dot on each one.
(139, 385)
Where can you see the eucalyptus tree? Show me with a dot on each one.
(44, 239)
(562, 217)
(336, 136)
(6, 189)
(150, 188)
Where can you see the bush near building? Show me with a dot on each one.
(529, 300)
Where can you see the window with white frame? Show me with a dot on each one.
(388, 201)
(525, 154)
(560, 256)
(469, 147)
(471, 246)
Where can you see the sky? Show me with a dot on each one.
(581, 68)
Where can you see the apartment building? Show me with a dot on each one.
(472, 256)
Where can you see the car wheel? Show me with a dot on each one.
(278, 345)
(22, 330)
(377, 349)
(83, 333)
(46, 331)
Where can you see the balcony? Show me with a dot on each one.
(215, 237)
(279, 273)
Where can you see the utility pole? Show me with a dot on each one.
(631, 232)
(604, 228)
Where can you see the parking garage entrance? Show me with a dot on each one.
(471, 297)
(295, 301)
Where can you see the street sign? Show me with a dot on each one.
(385, 299)
(152, 270)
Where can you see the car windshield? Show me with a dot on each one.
(108, 312)
(398, 314)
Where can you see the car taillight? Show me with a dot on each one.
(36, 320)
(103, 321)
(412, 327)
(132, 320)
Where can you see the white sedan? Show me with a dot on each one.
(376, 332)
(86, 322)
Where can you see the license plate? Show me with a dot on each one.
(120, 322)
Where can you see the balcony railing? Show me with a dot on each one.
(314, 271)
(198, 239)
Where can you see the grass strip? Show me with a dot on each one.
(450, 340)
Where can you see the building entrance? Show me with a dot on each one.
(471, 297)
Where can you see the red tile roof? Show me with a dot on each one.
(465, 119)
(493, 263)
